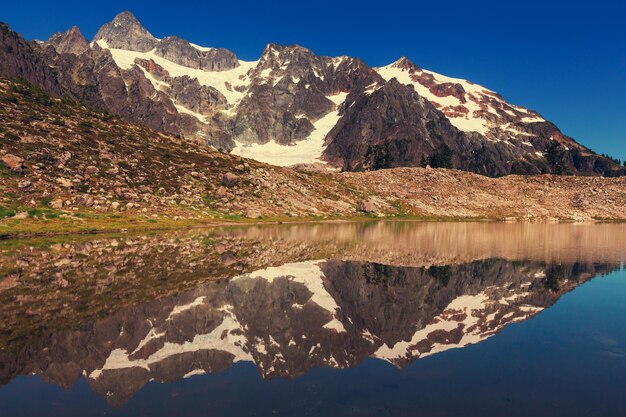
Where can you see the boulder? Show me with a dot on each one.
(367, 206)
(252, 213)
(14, 163)
(85, 200)
(64, 182)
(230, 180)
(221, 192)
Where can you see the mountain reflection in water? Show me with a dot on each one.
(126, 310)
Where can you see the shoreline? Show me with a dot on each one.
(39, 228)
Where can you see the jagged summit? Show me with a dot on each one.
(125, 32)
(404, 63)
(126, 19)
(70, 42)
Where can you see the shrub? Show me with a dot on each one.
(10, 137)
(6, 212)
(85, 125)
(442, 158)
(58, 122)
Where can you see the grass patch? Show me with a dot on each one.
(6, 212)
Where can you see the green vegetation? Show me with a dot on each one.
(442, 158)
(555, 154)
(441, 274)
(6, 212)
(380, 156)
(10, 137)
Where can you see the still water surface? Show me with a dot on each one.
(353, 319)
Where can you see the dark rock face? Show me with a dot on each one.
(394, 127)
(290, 91)
(21, 59)
(185, 90)
(183, 53)
(94, 79)
(395, 117)
(125, 32)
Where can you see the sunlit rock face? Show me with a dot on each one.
(125, 32)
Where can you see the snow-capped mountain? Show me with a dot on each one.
(294, 107)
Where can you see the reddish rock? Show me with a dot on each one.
(221, 192)
(152, 67)
(14, 163)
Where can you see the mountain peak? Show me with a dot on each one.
(125, 32)
(126, 17)
(74, 30)
(404, 63)
(71, 41)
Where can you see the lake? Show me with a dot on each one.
(332, 319)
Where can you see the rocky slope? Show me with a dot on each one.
(292, 106)
(66, 158)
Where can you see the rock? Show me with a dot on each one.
(252, 214)
(56, 204)
(24, 184)
(90, 170)
(62, 282)
(221, 192)
(367, 206)
(65, 156)
(230, 180)
(64, 182)
(85, 200)
(129, 206)
(115, 205)
(14, 163)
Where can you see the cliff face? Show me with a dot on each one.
(292, 106)
(21, 59)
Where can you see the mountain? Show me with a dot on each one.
(61, 159)
(294, 107)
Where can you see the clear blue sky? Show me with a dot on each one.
(566, 60)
